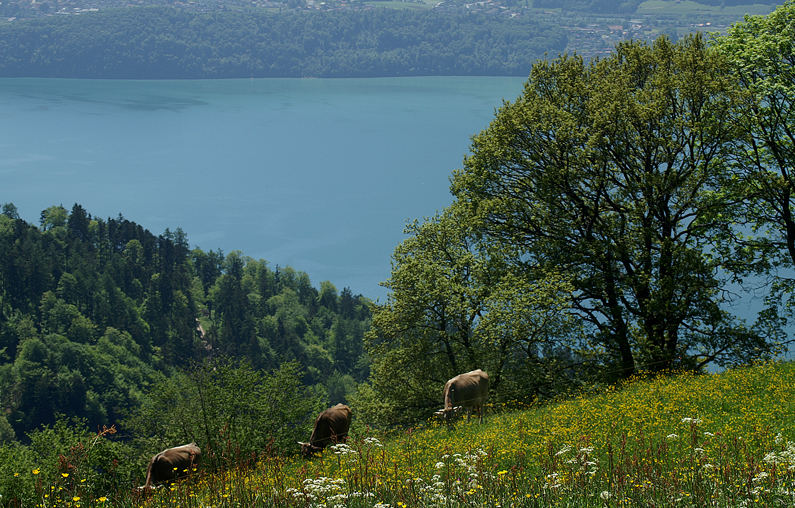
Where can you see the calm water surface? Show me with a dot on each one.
(317, 174)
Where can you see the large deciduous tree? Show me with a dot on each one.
(761, 51)
(611, 172)
(454, 306)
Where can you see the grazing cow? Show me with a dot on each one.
(172, 463)
(331, 426)
(469, 390)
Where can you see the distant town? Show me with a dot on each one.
(589, 34)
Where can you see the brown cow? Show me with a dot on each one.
(172, 463)
(469, 390)
(331, 426)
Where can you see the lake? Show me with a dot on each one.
(317, 174)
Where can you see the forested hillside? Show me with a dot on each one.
(95, 313)
(175, 43)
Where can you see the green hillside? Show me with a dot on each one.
(711, 440)
(99, 315)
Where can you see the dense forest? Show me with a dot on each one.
(174, 43)
(96, 312)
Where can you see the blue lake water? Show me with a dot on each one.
(317, 174)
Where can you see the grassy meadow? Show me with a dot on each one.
(723, 439)
(688, 7)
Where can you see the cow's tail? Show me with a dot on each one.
(148, 484)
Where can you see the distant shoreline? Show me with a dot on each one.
(168, 43)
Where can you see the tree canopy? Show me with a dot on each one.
(589, 237)
(762, 58)
(96, 312)
(612, 172)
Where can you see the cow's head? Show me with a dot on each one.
(449, 414)
(308, 449)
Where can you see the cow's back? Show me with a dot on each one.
(331, 425)
(470, 389)
(171, 463)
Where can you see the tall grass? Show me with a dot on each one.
(714, 440)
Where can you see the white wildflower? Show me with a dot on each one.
(692, 421)
(565, 449)
(553, 484)
(709, 434)
(587, 449)
(672, 437)
(372, 441)
(605, 495)
(439, 465)
(761, 476)
(771, 458)
(343, 449)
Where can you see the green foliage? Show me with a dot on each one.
(455, 306)
(94, 312)
(67, 457)
(612, 173)
(762, 57)
(230, 409)
(166, 42)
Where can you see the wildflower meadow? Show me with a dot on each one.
(723, 439)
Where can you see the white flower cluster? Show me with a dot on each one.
(326, 493)
(431, 492)
(319, 492)
(582, 459)
(563, 451)
(786, 456)
(372, 441)
(552, 481)
(692, 421)
(469, 461)
(342, 449)
(472, 479)
(345, 451)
